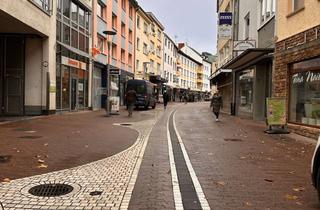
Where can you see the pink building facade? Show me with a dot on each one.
(119, 16)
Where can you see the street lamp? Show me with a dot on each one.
(107, 106)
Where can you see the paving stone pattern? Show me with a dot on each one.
(110, 175)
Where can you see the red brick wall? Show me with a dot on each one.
(302, 46)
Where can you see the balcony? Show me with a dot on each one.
(102, 26)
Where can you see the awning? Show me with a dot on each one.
(248, 58)
(217, 74)
(157, 79)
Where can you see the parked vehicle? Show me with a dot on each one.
(315, 168)
(145, 93)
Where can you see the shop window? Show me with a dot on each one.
(65, 83)
(305, 96)
(245, 96)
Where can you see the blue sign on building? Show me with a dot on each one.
(225, 18)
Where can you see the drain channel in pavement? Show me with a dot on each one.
(234, 140)
(189, 195)
(125, 124)
(95, 193)
(50, 190)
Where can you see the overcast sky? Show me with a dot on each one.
(192, 21)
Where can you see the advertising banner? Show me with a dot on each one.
(225, 32)
(225, 18)
(276, 111)
(115, 103)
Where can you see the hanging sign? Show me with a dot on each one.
(225, 32)
(225, 18)
(276, 111)
(243, 45)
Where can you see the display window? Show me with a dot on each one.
(305, 93)
(245, 94)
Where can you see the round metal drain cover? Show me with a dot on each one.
(50, 190)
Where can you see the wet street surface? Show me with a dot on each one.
(182, 159)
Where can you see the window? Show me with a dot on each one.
(245, 90)
(159, 34)
(138, 21)
(138, 65)
(305, 93)
(66, 8)
(130, 11)
(101, 44)
(100, 10)
(123, 29)
(165, 57)
(130, 36)
(123, 5)
(158, 68)
(82, 44)
(74, 12)
(145, 49)
(138, 44)
(123, 56)
(66, 34)
(74, 38)
(267, 8)
(114, 21)
(247, 26)
(152, 47)
(114, 51)
(145, 28)
(297, 4)
(130, 60)
(81, 17)
(58, 29)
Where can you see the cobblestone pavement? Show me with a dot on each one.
(112, 176)
(239, 167)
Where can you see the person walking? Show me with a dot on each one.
(165, 99)
(131, 97)
(216, 104)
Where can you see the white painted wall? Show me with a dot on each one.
(252, 8)
(206, 74)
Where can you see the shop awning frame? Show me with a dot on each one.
(248, 58)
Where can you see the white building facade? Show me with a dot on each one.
(206, 76)
(170, 53)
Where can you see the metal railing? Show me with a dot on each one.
(44, 5)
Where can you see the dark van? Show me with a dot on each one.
(145, 93)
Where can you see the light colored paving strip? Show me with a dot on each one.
(202, 198)
(112, 176)
(174, 177)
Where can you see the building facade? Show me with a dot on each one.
(297, 64)
(27, 57)
(170, 52)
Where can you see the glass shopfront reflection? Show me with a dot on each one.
(245, 91)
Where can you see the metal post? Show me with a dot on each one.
(107, 105)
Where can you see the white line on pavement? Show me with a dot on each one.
(202, 198)
(174, 177)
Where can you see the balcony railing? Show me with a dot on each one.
(44, 5)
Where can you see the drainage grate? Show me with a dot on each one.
(233, 140)
(5, 158)
(125, 124)
(30, 137)
(50, 190)
(95, 193)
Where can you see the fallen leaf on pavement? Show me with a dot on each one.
(298, 189)
(221, 183)
(40, 161)
(18, 151)
(248, 204)
(268, 180)
(299, 203)
(292, 172)
(291, 197)
(6, 180)
(262, 142)
(42, 166)
(46, 144)
(243, 157)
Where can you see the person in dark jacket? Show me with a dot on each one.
(131, 97)
(216, 104)
(165, 99)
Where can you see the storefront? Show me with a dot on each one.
(304, 93)
(72, 81)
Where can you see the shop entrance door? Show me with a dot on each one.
(74, 88)
(11, 75)
(96, 89)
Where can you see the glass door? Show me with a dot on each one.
(74, 88)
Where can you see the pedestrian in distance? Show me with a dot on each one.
(131, 97)
(165, 99)
(216, 104)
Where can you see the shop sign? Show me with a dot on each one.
(114, 71)
(225, 32)
(73, 63)
(243, 45)
(115, 103)
(306, 77)
(225, 18)
(276, 111)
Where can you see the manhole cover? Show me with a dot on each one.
(235, 140)
(30, 137)
(50, 190)
(5, 158)
(125, 124)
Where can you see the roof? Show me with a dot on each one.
(154, 18)
(182, 53)
(175, 44)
